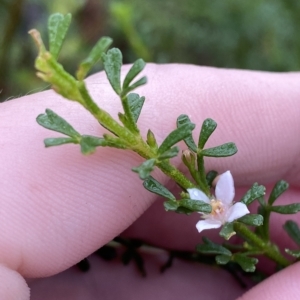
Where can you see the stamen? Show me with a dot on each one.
(217, 207)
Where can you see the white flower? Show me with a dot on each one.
(223, 210)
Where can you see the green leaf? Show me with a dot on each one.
(294, 253)
(246, 263)
(183, 210)
(211, 248)
(136, 68)
(293, 231)
(151, 140)
(135, 104)
(286, 209)
(145, 168)
(210, 177)
(222, 259)
(252, 220)
(208, 127)
(195, 205)
(157, 188)
(172, 152)
(170, 205)
(135, 85)
(224, 150)
(52, 121)
(59, 141)
(189, 141)
(254, 193)
(112, 61)
(175, 136)
(279, 188)
(114, 142)
(89, 143)
(227, 231)
(58, 26)
(94, 56)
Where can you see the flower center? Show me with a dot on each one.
(217, 207)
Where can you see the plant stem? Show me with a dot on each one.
(270, 250)
(265, 226)
(175, 174)
(165, 166)
(135, 141)
(200, 164)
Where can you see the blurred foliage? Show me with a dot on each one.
(256, 34)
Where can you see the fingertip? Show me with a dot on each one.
(282, 285)
(12, 285)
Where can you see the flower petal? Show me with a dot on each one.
(225, 188)
(196, 194)
(236, 211)
(208, 224)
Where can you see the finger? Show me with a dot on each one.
(112, 280)
(58, 206)
(283, 285)
(12, 285)
(259, 111)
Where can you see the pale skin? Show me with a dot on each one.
(58, 206)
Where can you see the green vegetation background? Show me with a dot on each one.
(256, 34)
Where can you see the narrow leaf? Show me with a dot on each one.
(254, 193)
(183, 210)
(114, 142)
(94, 56)
(252, 220)
(89, 143)
(59, 141)
(224, 150)
(157, 188)
(293, 231)
(136, 68)
(280, 187)
(222, 259)
(189, 141)
(112, 61)
(210, 176)
(135, 85)
(211, 248)
(175, 136)
(58, 26)
(127, 120)
(195, 205)
(286, 209)
(170, 205)
(172, 152)
(246, 263)
(294, 253)
(135, 103)
(208, 127)
(52, 121)
(227, 231)
(145, 168)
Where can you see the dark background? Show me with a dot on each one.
(256, 34)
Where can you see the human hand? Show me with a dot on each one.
(58, 206)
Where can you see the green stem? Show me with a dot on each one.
(135, 142)
(171, 171)
(203, 186)
(105, 118)
(175, 174)
(265, 226)
(270, 250)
